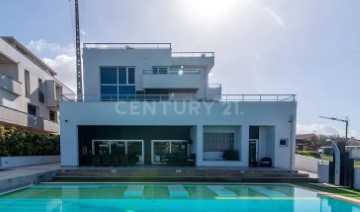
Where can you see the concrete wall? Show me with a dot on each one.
(306, 163)
(323, 173)
(145, 59)
(142, 59)
(197, 114)
(357, 178)
(16, 161)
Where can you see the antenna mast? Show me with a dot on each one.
(78, 54)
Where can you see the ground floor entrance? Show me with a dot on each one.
(127, 145)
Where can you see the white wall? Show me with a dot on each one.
(357, 178)
(231, 114)
(145, 59)
(142, 59)
(16, 161)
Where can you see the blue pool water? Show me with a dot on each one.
(249, 198)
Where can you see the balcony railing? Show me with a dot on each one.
(185, 97)
(192, 54)
(127, 45)
(10, 84)
(176, 72)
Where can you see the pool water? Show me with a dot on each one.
(130, 198)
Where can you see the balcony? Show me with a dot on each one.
(22, 119)
(54, 91)
(9, 84)
(182, 79)
(193, 58)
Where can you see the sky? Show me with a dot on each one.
(310, 48)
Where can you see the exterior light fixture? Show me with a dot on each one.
(181, 72)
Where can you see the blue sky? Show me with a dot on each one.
(310, 48)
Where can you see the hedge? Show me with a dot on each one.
(23, 143)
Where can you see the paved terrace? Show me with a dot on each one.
(22, 176)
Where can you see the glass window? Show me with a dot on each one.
(53, 116)
(126, 92)
(108, 92)
(122, 75)
(32, 109)
(108, 75)
(218, 142)
(41, 92)
(162, 70)
(131, 75)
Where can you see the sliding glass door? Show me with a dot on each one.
(164, 148)
(119, 147)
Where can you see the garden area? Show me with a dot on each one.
(15, 142)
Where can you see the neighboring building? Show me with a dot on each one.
(303, 142)
(147, 101)
(29, 93)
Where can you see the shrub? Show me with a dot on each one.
(309, 154)
(22, 143)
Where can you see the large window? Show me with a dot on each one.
(117, 83)
(218, 142)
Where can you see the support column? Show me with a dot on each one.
(199, 144)
(69, 145)
(245, 145)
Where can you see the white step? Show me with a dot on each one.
(267, 192)
(178, 191)
(134, 191)
(221, 191)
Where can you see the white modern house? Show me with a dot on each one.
(157, 106)
(29, 91)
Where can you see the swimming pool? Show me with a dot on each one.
(137, 197)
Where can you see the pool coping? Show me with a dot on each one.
(327, 194)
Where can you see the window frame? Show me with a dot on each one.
(117, 84)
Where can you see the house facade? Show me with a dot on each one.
(152, 103)
(29, 91)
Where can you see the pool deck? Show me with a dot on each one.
(13, 178)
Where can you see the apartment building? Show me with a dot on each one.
(29, 91)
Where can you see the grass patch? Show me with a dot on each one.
(345, 192)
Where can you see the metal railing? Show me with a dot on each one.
(192, 54)
(177, 72)
(127, 45)
(184, 97)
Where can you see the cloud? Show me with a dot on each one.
(65, 67)
(41, 46)
(60, 58)
(323, 129)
